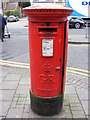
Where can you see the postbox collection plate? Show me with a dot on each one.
(47, 47)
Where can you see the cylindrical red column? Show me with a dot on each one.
(48, 53)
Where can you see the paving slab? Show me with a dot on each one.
(25, 116)
(7, 95)
(15, 98)
(9, 85)
(77, 80)
(70, 89)
(26, 108)
(0, 95)
(24, 81)
(22, 90)
(85, 106)
(0, 76)
(75, 104)
(76, 108)
(82, 85)
(82, 94)
(5, 107)
(80, 116)
(12, 77)
(0, 108)
(66, 102)
(15, 113)
(18, 101)
(79, 112)
(13, 104)
(4, 74)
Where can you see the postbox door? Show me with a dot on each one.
(51, 66)
(46, 57)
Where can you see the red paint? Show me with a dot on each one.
(46, 81)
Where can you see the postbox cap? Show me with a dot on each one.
(47, 9)
(50, 11)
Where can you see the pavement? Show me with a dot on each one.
(73, 39)
(15, 98)
(81, 38)
(15, 86)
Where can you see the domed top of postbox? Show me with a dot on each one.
(47, 12)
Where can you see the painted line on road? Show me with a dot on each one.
(78, 71)
(11, 62)
(13, 65)
(79, 45)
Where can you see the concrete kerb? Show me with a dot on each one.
(70, 42)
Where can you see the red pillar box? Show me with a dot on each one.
(48, 40)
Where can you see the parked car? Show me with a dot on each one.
(76, 22)
(12, 18)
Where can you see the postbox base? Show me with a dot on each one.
(46, 106)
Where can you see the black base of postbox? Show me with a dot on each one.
(46, 106)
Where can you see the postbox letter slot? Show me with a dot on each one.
(47, 30)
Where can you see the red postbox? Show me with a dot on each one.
(48, 40)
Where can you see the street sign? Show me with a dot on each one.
(80, 6)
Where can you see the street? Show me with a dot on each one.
(15, 75)
(17, 47)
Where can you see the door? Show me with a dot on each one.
(46, 60)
